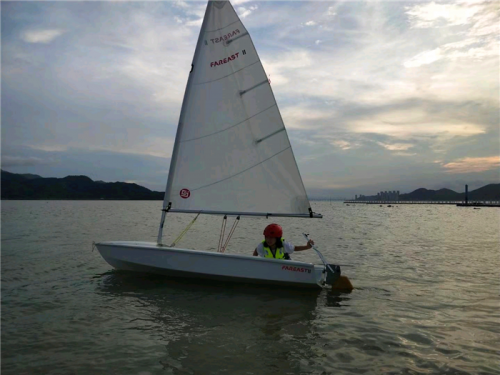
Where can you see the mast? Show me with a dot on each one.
(178, 135)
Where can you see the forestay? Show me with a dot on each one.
(232, 153)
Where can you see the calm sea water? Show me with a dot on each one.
(426, 298)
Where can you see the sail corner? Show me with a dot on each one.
(219, 4)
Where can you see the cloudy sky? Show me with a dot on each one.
(378, 95)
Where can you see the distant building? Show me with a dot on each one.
(388, 196)
(381, 196)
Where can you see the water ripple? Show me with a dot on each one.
(426, 298)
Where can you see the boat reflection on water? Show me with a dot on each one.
(123, 282)
(335, 299)
(199, 325)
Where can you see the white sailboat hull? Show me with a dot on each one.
(151, 258)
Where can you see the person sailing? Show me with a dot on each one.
(275, 246)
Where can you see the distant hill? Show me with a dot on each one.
(489, 192)
(18, 186)
(30, 186)
(432, 195)
(30, 176)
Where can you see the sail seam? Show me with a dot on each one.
(232, 23)
(236, 71)
(243, 171)
(232, 126)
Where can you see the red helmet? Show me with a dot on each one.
(273, 230)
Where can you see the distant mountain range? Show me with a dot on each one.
(30, 186)
(489, 192)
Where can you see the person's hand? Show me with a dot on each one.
(309, 244)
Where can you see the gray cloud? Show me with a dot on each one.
(95, 88)
(41, 36)
(19, 161)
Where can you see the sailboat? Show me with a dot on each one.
(231, 157)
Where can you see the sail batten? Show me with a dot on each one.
(236, 38)
(269, 136)
(221, 163)
(253, 87)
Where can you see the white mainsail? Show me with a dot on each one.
(232, 153)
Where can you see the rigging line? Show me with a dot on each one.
(222, 231)
(184, 231)
(232, 126)
(230, 74)
(243, 171)
(236, 221)
(232, 23)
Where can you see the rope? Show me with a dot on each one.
(184, 231)
(222, 230)
(236, 221)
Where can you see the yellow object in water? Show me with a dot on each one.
(343, 284)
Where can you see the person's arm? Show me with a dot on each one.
(306, 247)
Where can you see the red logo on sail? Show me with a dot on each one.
(185, 193)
